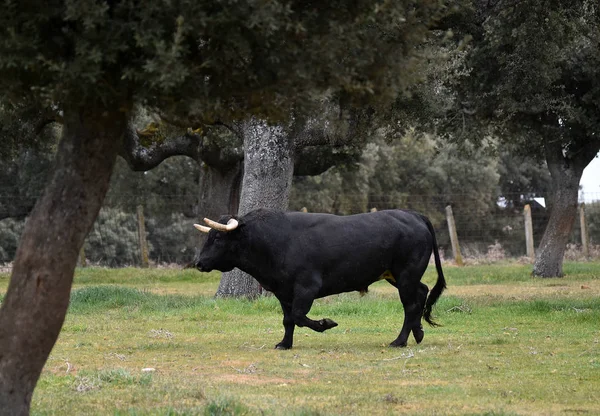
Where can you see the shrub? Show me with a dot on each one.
(114, 239)
(10, 233)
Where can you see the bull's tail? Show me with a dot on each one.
(440, 284)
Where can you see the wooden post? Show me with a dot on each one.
(529, 232)
(82, 260)
(142, 237)
(585, 239)
(453, 237)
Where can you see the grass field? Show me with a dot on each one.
(509, 344)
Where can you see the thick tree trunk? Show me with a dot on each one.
(36, 302)
(268, 171)
(219, 193)
(566, 174)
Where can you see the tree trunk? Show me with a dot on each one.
(36, 302)
(565, 173)
(268, 171)
(219, 193)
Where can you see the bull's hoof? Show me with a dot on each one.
(418, 333)
(327, 324)
(281, 346)
(398, 344)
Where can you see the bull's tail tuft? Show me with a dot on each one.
(440, 284)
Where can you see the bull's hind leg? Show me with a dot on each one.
(417, 329)
(413, 295)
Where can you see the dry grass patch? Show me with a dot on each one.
(541, 289)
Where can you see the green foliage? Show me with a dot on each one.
(170, 188)
(168, 194)
(592, 216)
(534, 69)
(24, 174)
(171, 238)
(114, 239)
(25, 127)
(592, 213)
(522, 176)
(10, 233)
(234, 57)
(413, 172)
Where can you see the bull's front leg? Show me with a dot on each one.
(304, 296)
(288, 326)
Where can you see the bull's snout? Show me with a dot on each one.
(202, 267)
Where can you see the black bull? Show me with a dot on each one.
(300, 257)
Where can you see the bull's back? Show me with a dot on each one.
(351, 252)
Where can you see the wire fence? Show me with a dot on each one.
(158, 229)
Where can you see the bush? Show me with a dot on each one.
(592, 213)
(114, 239)
(10, 233)
(171, 239)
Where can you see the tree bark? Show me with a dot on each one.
(565, 172)
(37, 299)
(267, 181)
(219, 193)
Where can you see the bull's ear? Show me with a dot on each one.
(237, 221)
(232, 224)
(232, 221)
(224, 219)
(240, 221)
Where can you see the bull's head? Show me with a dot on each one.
(219, 251)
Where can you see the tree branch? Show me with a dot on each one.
(202, 147)
(143, 158)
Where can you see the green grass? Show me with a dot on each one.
(509, 345)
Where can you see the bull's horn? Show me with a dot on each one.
(202, 228)
(231, 224)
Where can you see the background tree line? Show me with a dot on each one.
(411, 171)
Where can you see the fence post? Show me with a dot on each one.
(529, 232)
(142, 237)
(585, 239)
(453, 236)
(82, 260)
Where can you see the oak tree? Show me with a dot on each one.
(533, 76)
(93, 61)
